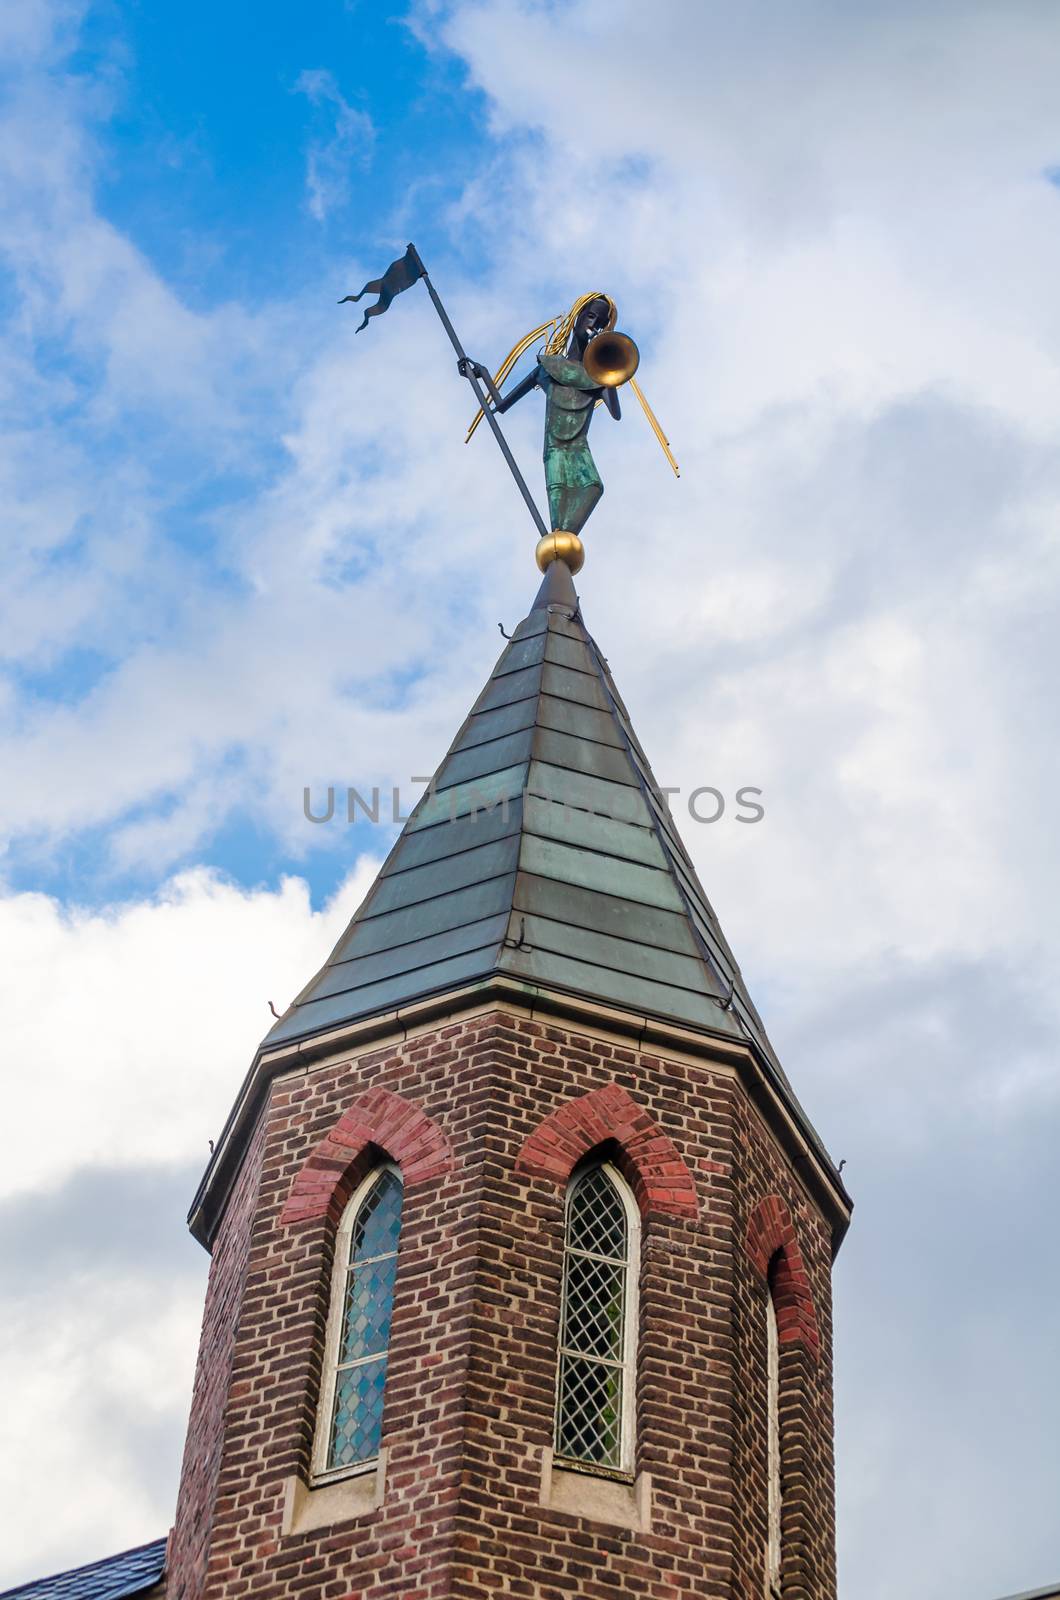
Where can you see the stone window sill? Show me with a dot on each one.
(597, 1499)
(342, 1500)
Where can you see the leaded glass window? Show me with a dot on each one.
(597, 1344)
(362, 1299)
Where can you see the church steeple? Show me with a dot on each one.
(543, 862)
(521, 1239)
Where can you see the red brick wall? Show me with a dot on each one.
(189, 1541)
(469, 1405)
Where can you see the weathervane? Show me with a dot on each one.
(582, 364)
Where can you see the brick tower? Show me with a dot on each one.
(521, 1240)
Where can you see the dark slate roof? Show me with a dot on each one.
(576, 879)
(111, 1579)
(1051, 1592)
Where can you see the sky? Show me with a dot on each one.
(245, 551)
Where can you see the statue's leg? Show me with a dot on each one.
(574, 485)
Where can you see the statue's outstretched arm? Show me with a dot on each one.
(523, 387)
(500, 403)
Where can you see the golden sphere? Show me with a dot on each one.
(560, 546)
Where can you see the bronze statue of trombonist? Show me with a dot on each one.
(581, 365)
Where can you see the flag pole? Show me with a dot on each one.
(469, 370)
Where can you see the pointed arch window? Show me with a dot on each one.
(350, 1419)
(773, 1479)
(596, 1398)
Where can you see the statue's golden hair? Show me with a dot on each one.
(557, 344)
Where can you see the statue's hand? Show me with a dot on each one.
(468, 368)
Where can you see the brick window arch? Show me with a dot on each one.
(378, 1122)
(659, 1178)
(773, 1247)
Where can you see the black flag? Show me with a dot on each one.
(401, 274)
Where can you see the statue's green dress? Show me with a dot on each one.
(574, 485)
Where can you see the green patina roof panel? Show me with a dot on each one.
(603, 950)
(450, 838)
(366, 935)
(441, 877)
(577, 720)
(485, 726)
(361, 970)
(482, 759)
(567, 685)
(624, 919)
(502, 691)
(565, 651)
(553, 820)
(521, 653)
(584, 755)
(315, 1014)
(493, 789)
(619, 988)
(586, 869)
(597, 796)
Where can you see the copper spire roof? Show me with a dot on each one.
(545, 853)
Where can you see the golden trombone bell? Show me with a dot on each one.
(611, 359)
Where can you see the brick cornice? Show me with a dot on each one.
(380, 1118)
(661, 1182)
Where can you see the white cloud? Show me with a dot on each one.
(135, 1022)
(34, 30)
(329, 161)
(90, 1390)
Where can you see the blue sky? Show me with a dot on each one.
(216, 112)
(249, 156)
(245, 550)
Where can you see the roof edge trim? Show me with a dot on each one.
(780, 1110)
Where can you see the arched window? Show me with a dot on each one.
(773, 1437)
(596, 1399)
(350, 1420)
